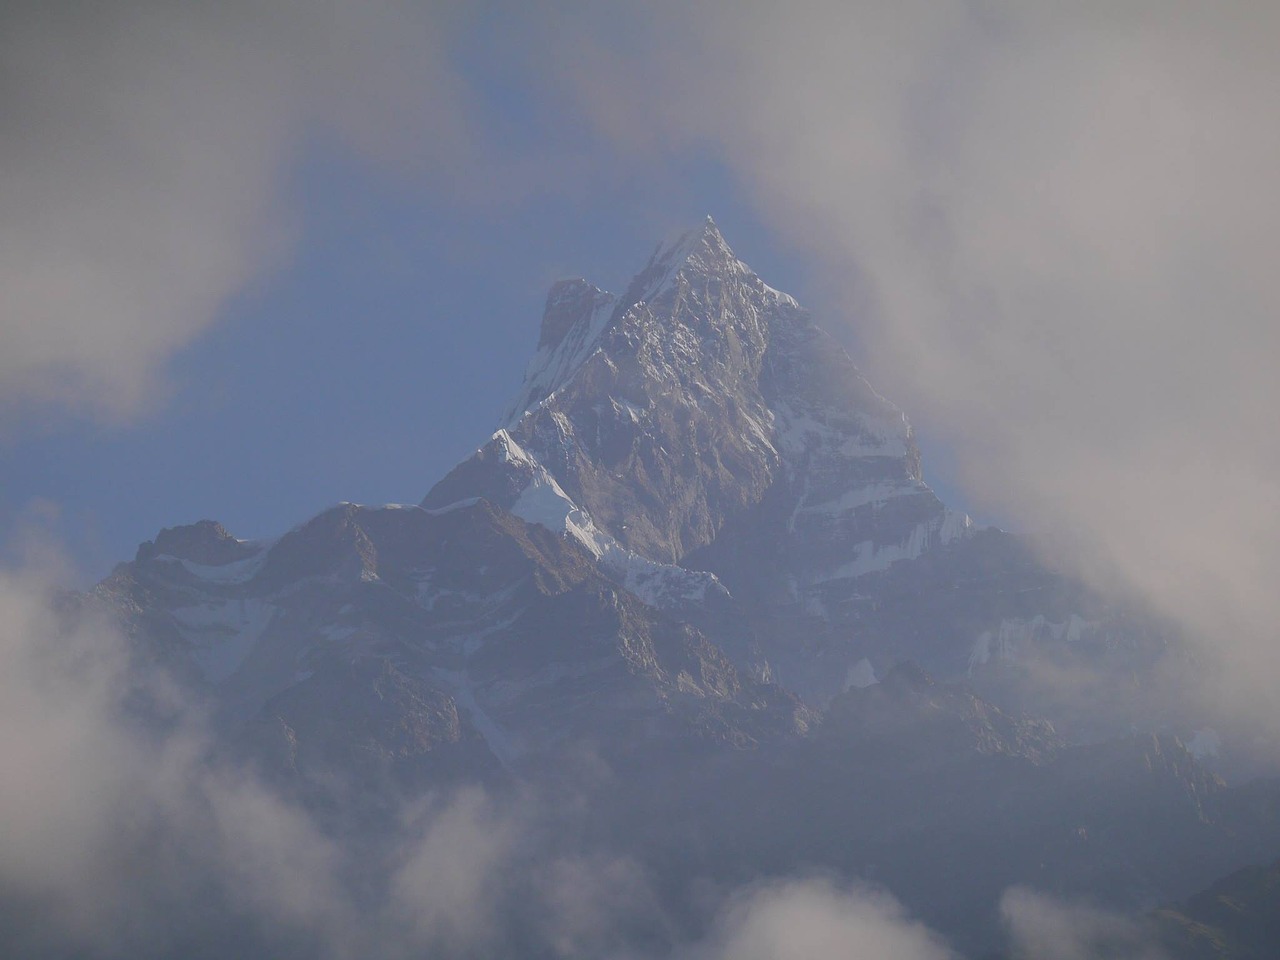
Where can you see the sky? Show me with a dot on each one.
(261, 257)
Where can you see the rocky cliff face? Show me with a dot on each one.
(703, 419)
(698, 446)
(495, 625)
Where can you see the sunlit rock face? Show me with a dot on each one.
(703, 419)
(477, 631)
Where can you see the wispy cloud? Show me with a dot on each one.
(796, 919)
(1054, 226)
(1048, 928)
(127, 832)
(145, 147)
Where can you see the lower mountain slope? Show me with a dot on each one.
(1235, 918)
(947, 801)
(431, 628)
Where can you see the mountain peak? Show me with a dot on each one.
(700, 249)
(578, 313)
(681, 243)
(569, 302)
(206, 542)
(671, 414)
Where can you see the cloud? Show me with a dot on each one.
(445, 892)
(1053, 226)
(145, 147)
(597, 905)
(132, 829)
(121, 830)
(1045, 928)
(800, 919)
(127, 832)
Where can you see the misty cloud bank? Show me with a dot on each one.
(144, 160)
(1046, 928)
(128, 834)
(1058, 221)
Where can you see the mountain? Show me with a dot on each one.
(703, 437)
(703, 447)
(491, 624)
(696, 583)
(703, 419)
(1235, 918)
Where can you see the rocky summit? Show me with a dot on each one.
(703, 420)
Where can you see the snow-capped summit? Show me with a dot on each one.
(703, 419)
(698, 250)
(579, 315)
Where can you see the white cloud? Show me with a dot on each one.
(145, 147)
(445, 892)
(127, 831)
(1055, 224)
(131, 829)
(1046, 928)
(801, 919)
(119, 827)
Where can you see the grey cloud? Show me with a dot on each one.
(444, 893)
(1046, 928)
(125, 834)
(596, 905)
(144, 150)
(800, 919)
(1057, 221)
(120, 828)
(130, 830)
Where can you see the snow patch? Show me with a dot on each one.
(872, 557)
(223, 633)
(450, 507)
(861, 674)
(1015, 634)
(552, 366)
(1204, 743)
(860, 497)
(463, 691)
(545, 503)
(237, 571)
(798, 433)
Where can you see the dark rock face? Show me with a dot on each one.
(423, 628)
(703, 419)
(1234, 918)
(908, 714)
(207, 543)
(368, 722)
(947, 801)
